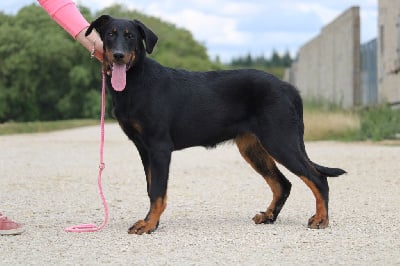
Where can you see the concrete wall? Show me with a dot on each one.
(328, 66)
(389, 51)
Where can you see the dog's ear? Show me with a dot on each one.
(149, 37)
(98, 25)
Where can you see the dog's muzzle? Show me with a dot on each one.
(116, 64)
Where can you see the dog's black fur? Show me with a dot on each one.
(164, 109)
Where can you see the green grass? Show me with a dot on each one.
(36, 127)
(379, 123)
(325, 124)
(321, 122)
(319, 125)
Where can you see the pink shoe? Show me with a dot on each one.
(9, 227)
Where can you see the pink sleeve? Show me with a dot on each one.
(66, 14)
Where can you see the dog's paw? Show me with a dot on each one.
(142, 226)
(267, 217)
(317, 222)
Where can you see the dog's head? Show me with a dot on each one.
(124, 41)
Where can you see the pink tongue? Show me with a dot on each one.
(118, 77)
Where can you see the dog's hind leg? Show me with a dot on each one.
(255, 154)
(320, 219)
(289, 154)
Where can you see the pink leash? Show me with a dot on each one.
(92, 227)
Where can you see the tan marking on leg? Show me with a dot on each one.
(276, 194)
(150, 223)
(320, 220)
(148, 177)
(250, 142)
(246, 142)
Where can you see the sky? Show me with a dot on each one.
(233, 28)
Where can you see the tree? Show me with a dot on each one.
(275, 59)
(46, 75)
(287, 59)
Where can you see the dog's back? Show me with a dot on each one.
(206, 108)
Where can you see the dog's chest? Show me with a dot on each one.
(133, 128)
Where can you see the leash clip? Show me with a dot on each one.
(102, 166)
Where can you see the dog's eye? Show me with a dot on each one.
(111, 34)
(130, 36)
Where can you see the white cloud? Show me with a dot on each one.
(324, 13)
(239, 8)
(207, 28)
(234, 27)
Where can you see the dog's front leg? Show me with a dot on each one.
(157, 182)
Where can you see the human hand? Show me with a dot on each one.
(92, 43)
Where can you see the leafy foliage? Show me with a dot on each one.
(46, 75)
(274, 61)
(381, 122)
(275, 64)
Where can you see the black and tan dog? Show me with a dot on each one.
(163, 109)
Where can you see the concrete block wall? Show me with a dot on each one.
(389, 51)
(328, 66)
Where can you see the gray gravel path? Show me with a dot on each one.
(49, 181)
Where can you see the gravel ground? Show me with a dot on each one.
(49, 181)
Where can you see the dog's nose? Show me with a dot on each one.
(118, 55)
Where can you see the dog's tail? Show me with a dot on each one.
(328, 171)
(323, 170)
